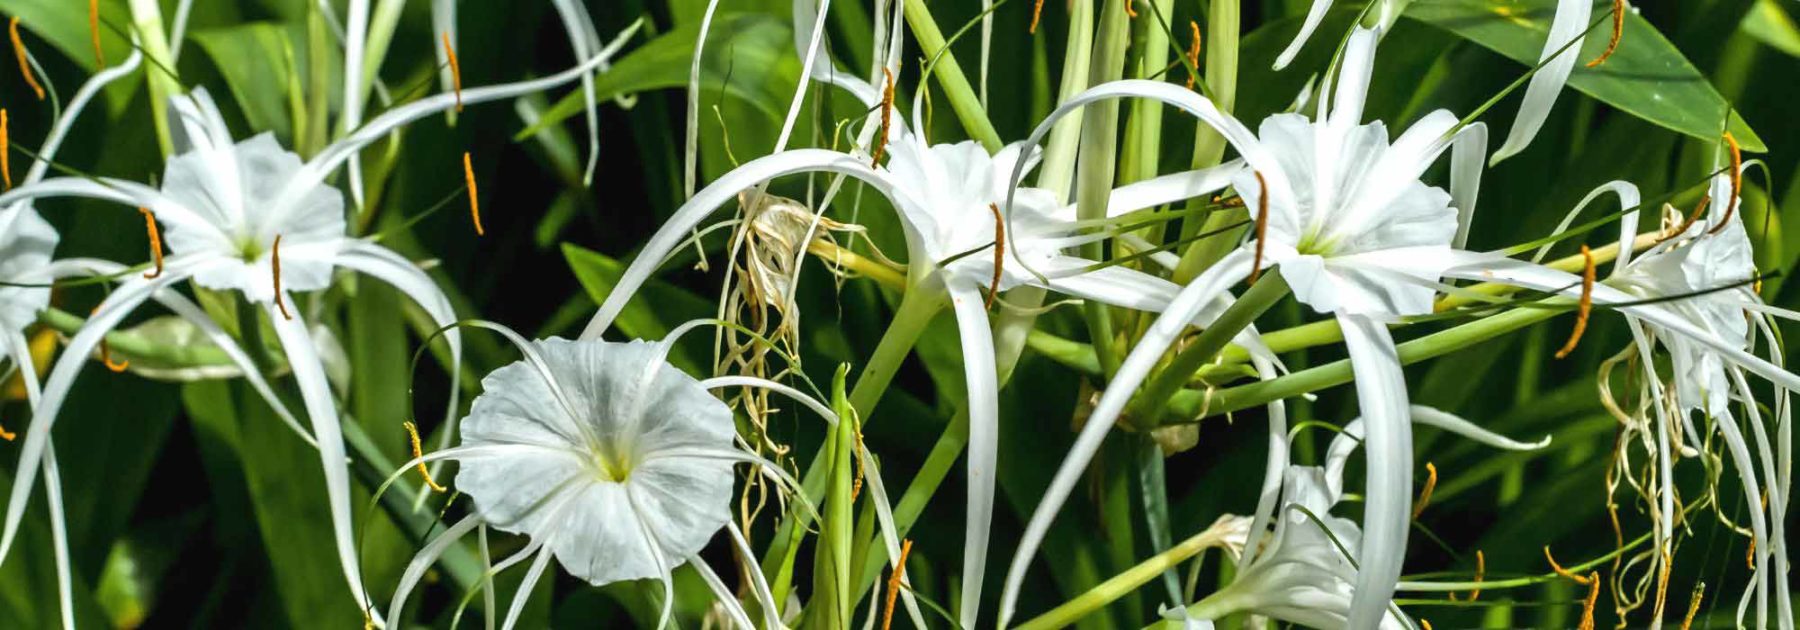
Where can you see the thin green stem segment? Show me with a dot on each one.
(963, 99)
(1222, 26)
(146, 17)
(1111, 590)
(1097, 167)
(137, 347)
(1262, 295)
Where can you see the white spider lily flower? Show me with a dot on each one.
(1353, 230)
(1307, 573)
(230, 212)
(612, 461)
(1689, 294)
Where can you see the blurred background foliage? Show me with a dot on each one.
(190, 507)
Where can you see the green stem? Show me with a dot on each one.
(963, 99)
(1222, 26)
(1111, 590)
(135, 347)
(1097, 167)
(1187, 406)
(146, 17)
(1262, 295)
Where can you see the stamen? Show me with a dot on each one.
(1130, 12)
(156, 252)
(1426, 624)
(24, 60)
(1693, 217)
(1618, 16)
(999, 254)
(106, 352)
(1737, 182)
(94, 31)
(455, 72)
(887, 113)
(1587, 304)
(1750, 554)
(474, 201)
(1560, 570)
(5, 151)
(1480, 572)
(1037, 11)
(7, 435)
(1694, 606)
(1425, 493)
(412, 433)
(1193, 52)
(1587, 607)
(887, 618)
(275, 263)
(1262, 224)
(861, 452)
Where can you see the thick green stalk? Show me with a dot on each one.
(1111, 590)
(136, 347)
(1143, 130)
(925, 484)
(318, 86)
(963, 99)
(831, 604)
(382, 23)
(146, 18)
(1188, 406)
(1265, 293)
(1097, 166)
(1222, 26)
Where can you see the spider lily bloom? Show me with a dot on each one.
(251, 217)
(1306, 574)
(1352, 230)
(1688, 294)
(612, 461)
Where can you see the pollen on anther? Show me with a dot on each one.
(455, 71)
(1037, 11)
(1585, 307)
(1130, 12)
(106, 353)
(999, 254)
(887, 113)
(24, 59)
(1262, 224)
(474, 194)
(275, 265)
(899, 572)
(1587, 606)
(1737, 182)
(94, 31)
(1693, 606)
(412, 433)
(5, 150)
(1193, 52)
(1425, 493)
(1618, 31)
(156, 251)
(7, 435)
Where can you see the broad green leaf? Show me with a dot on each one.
(599, 273)
(1647, 76)
(1770, 23)
(256, 60)
(65, 25)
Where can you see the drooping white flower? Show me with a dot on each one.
(613, 462)
(230, 211)
(1353, 231)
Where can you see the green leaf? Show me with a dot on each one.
(1770, 24)
(65, 26)
(1647, 76)
(599, 273)
(255, 61)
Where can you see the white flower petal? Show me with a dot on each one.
(1466, 153)
(1381, 392)
(422, 561)
(396, 271)
(984, 441)
(1569, 25)
(1172, 188)
(580, 28)
(1314, 16)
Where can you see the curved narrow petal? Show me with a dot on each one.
(71, 111)
(443, 25)
(1172, 188)
(807, 22)
(356, 37)
(1314, 16)
(389, 267)
(119, 191)
(708, 200)
(422, 561)
(321, 409)
(1352, 85)
(1466, 152)
(1338, 454)
(1381, 392)
(1628, 198)
(734, 609)
(523, 594)
(809, 57)
(1568, 26)
(984, 441)
(580, 29)
(750, 381)
(691, 156)
(1118, 286)
(759, 586)
(890, 534)
(59, 526)
(123, 300)
(1273, 469)
(1161, 334)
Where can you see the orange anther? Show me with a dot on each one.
(1130, 12)
(275, 264)
(887, 112)
(1262, 224)
(1425, 624)
(999, 253)
(474, 195)
(7, 435)
(1737, 182)
(1425, 493)
(156, 252)
(887, 618)
(1037, 11)
(412, 433)
(455, 71)
(1693, 606)
(5, 151)
(94, 31)
(1193, 52)
(1560, 570)
(1586, 306)
(1618, 16)
(1587, 607)
(24, 60)
(1480, 572)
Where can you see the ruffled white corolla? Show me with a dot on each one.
(233, 214)
(1568, 29)
(1691, 293)
(1306, 574)
(1355, 234)
(610, 460)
